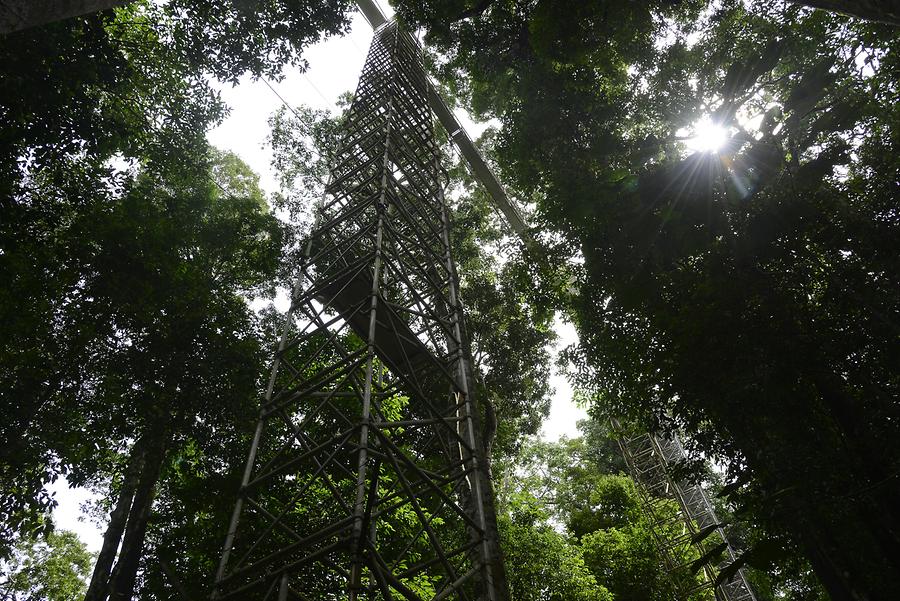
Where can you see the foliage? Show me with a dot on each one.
(574, 485)
(510, 332)
(741, 295)
(303, 143)
(541, 564)
(133, 81)
(147, 280)
(127, 247)
(88, 90)
(54, 568)
(262, 37)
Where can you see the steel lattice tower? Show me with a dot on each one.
(650, 460)
(366, 477)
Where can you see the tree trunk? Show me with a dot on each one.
(16, 15)
(125, 573)
(173, 578)
(882, 11)
(99, 586)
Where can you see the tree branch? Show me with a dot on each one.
(880, 11)
(475, 11)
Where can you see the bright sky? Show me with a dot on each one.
(334, 68)
(564, 414)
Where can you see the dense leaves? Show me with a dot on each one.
(257, 36)
(742, 295)
(745, 296)
(53, 569)
(541, 563)
(566, 503)
(128, 251)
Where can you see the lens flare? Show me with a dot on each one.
(707, 136)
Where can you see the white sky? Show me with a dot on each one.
(334, 67)
(564, 414)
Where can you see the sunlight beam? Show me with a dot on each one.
(707, 136)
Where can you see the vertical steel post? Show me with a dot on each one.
(358, 534)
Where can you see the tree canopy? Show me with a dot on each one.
(744, 295)
(129, 250)
(54, 569)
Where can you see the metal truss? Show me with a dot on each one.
(688, 530)
(366, 476)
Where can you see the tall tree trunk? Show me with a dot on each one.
(16, 15)
(99, 586)
(883, 11)
(173, 578)
(125, 573)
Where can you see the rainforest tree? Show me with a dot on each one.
(54, 568)
(744, 295)
(128, 250)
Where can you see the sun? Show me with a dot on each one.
(706, 136)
